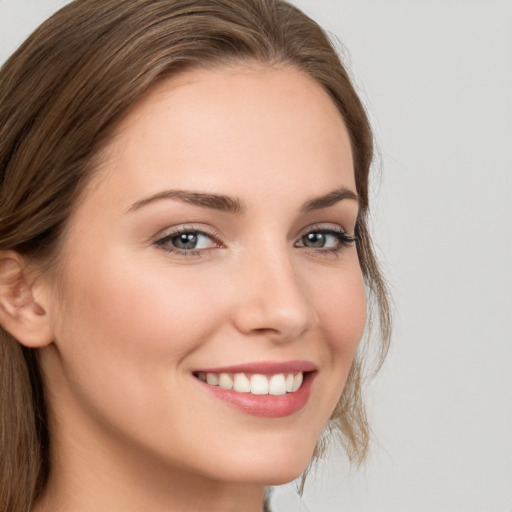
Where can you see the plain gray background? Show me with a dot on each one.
(436, 77)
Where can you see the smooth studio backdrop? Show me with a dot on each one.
(436, 77)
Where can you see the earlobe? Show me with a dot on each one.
(20, 314)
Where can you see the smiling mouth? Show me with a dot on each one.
(256, 383)
(267, 389)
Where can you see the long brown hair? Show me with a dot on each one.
(61, 94)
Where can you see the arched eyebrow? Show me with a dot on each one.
(229, 204)
(213, 201)
(329, 199)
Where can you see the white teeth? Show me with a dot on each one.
(212, 379)
(257, 384)
(241, 383)
(297, 381)
(225, 381)
(277, 385)
(289, 382)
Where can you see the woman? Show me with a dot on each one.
(184, 256)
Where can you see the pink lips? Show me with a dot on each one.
(267, 406)
(264, 367)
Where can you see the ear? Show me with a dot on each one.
(20, 314)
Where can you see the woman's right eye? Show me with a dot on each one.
(187, 242)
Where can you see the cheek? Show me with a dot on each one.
(342, 306)
(342, 311)
(124, 340)
(134, 323)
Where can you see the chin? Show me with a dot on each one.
(285, 476)
(271, 467)
(271, 474)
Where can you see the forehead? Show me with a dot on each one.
(242, 128)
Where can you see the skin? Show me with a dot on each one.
(132, 428)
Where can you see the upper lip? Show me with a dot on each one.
(264, 367)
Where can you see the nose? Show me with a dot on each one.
(272, 299)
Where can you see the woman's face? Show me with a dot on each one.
(214, 243)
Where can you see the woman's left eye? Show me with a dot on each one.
(187, 241)
(326, 239)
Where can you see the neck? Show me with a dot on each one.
(84, 478)
(177, 492)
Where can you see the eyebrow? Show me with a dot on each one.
(229, 204)
(213, 201)
(329, 199)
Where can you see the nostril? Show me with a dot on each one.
(280, 320)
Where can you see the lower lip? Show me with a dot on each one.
(266, 406)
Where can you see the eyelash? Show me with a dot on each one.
(163, 242)
(343, 240)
